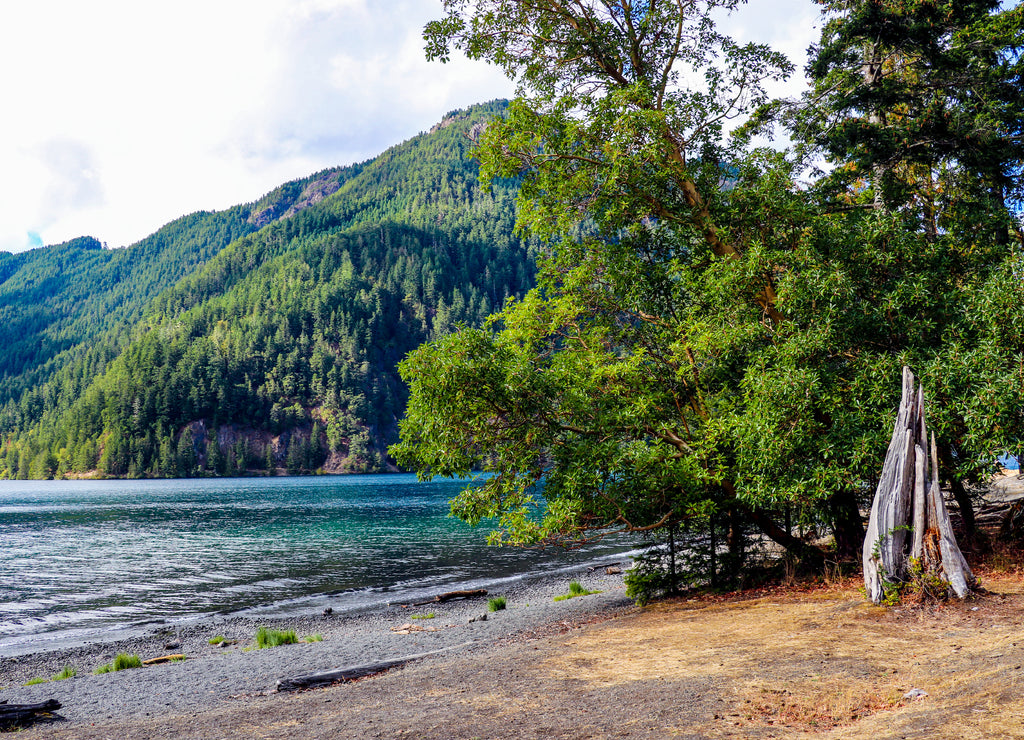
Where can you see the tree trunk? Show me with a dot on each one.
(960, 495)
(847, 525)
(810, 556)
(908, 498)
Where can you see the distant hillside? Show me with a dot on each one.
(261, 338)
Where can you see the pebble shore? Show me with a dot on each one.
(212, 674)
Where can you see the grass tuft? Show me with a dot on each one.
(313, 638)
(67, 672)
(575, 589)
(496, 604)
(36, 680)
(266, 638)
(216, 640)
(431, 615)
(122, 662)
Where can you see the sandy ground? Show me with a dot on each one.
(785, 663)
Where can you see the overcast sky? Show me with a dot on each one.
(122, 115)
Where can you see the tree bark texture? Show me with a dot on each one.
(909, 500)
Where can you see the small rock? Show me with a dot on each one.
(328, 611)
(172, 645)
(915, 694)
(612, 570)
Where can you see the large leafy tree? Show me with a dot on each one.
(609, 382)
(709, 342)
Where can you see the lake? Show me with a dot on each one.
(81, 559)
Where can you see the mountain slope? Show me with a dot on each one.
(280, 351)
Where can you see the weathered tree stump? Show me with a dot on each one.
(908, 500)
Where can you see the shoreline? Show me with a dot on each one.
(343, 604)
(212, 675)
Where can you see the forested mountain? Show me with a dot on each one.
(261, 337)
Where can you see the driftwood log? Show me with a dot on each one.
(164, 659)
(21, 715)
(351, 673)
(908, 501)
(447, 596)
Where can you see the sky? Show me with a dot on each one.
(120, 116)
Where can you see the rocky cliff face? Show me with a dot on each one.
(296, 196)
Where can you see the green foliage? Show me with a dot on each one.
(575, 589)
(66, 672)
(711, 345)
(268, 638)
(429, 615)
(691, 556)
(916, 97)
(124, 661)
(279, 351)
(217, 640)
(121, 662)
(35, 681)
(646, 581)
(496, 604)
(313, 638)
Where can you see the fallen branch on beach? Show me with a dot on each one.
(447, 596)
(351, 673)
(164, 659)
(22, 715)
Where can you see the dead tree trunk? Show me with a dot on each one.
(908, 499)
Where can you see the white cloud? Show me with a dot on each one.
(121, 115)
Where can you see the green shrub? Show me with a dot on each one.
(37, 680)
(272, 638)
(496, 604)
(646, 581)
(216, 640)
(68, 672)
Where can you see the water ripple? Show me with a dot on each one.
(80, 555)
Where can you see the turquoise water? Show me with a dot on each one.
(83, 557)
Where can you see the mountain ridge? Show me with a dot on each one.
(278, 350)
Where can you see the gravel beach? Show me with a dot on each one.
(212, 675)
(785, 662)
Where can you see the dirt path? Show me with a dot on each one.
(820, 663)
